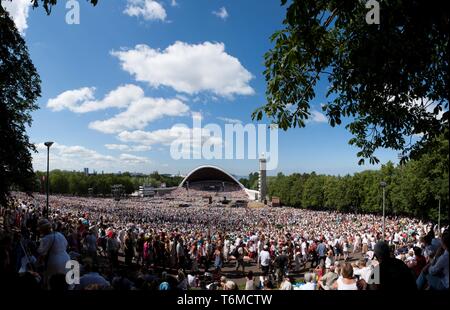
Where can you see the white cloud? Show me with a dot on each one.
(125, 147)
(140, 110)
(174, 3)
(18, 11)
(221, 13)
(140, 148)
(76, 157)
(140, 113)
(180, 133)
(160, 136)
(182, 97)
(318, 117)
(148, 9)
(132, 159)
(82, 100)
(117, 147)
(188, 68)
(230, 120)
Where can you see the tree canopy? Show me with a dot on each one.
(388, 81)
(412, 189)
(47, 4)
(78, 183)
(19, 89)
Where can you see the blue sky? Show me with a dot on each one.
(164, 61)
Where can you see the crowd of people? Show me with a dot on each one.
(153, 244)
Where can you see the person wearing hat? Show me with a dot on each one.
(52, 250)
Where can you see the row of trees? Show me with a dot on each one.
(78, 183)
(252, 181)
(412, 189)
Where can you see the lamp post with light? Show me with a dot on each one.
(383, 185)
(48, 145)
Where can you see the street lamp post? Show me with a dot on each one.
(383, 185)
(439, 213)
(48, 145)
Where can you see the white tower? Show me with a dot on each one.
(262, 182)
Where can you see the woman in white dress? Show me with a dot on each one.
(52, 250)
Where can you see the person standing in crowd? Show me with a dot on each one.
(239, 255)
(393, 272)
(218, 260)
(281, 263)
(418, 263)
(363, 271)
(321, 252)
(180, 253)
(112, 247)
(309, 282)
(250, 281)
(52, 250)
(129, 247)
(286, 285)
(90, 241)
(346, 281)
(328, 279)
(264, 261)
(436, 272)
(140, 249)
(329, 261)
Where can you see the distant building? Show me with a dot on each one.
(86, 171)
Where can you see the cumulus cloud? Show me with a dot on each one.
(18, 11)
(147, 9)
(188, 68)
(139, 110)
(221, 13)
(128, 148)
(140, 113)
(82, 100)
(318, 117)
(74, 151)
(160, 136)
(76, 157)
(174, 3)
(132, 159)
(230, 120)
(180, 133)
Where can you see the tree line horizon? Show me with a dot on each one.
(413, 189)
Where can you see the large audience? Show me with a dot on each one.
(180, 242)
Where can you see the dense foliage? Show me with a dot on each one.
(387, 82)
(20, 86)
(252, 181)
(19, 90)
(78, 183)
(412, 189)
